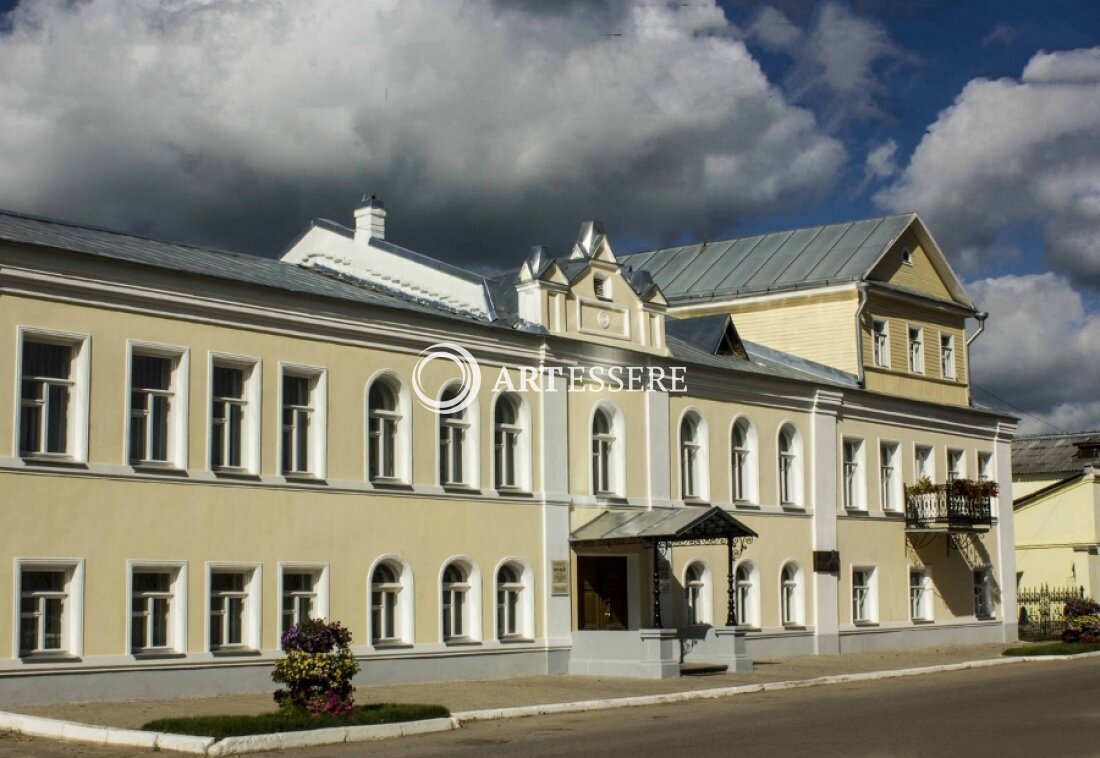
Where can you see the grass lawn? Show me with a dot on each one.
(1055, 648)
(280, 721)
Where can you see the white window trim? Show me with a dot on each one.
(897, 491)
(251, 442)
(754, 595)
(471, 448)
(523, 444)
(472, 608)
(931, 472)
(617, 462)
(179, 414)
(872, 593)
(927, 598)
(406, 610)
(79, 400)
(919, 367)
(253, 621)
(752, 472)
(953, 364)
(527, 599)
(74, 624)
(859, 494)
(799, 594)
(402, 465)
(318, 440)
(706, 604)
(885, 353)
(701, 475)
(320, 587)
(178, 621)
(797, 465)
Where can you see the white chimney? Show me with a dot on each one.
(370, 219)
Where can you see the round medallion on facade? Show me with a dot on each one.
(605, 320)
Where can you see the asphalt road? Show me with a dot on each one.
(1048, 709)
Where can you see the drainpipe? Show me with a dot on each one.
(862, 287)
(981, 316)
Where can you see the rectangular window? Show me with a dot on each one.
(920, 595)
(853, 490)
(157, 409)
(955, 465)
(864, 608)
(229, 414)
(947, 355)
(985, 467)
(299, 598)
(230, 609)
(151, 610)
(43, 611)
(922, 459)
(889, 476)
(304, 422)
(880, 342)
(983, 593)
(53, 395)
(916, 350)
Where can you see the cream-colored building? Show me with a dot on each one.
(1056, 483)
(201, 448)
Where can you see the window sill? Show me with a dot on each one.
(461, 642)
(985, 617)
(922, 622)
(696, 500)
(512, 492)
(387, 483)
(48, 459)
(611, 498)
(302, 478)
(60, 656)
(234, 652)
(794, 627)
(157, 655)
(235, 473)
(792, 508)
(157, 467)
(391, 645)
(515, 640)
(461, 489)
(864, 624)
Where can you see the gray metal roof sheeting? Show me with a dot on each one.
(1050, 454)
(246, 269)
(835, 253)
(663, 524)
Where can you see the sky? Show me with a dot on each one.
(489, 126)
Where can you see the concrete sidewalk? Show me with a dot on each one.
(476, 695)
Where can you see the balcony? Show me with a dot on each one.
(948, 507)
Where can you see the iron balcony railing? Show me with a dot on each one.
(943, 509)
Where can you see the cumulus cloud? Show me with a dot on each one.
(1001, 34)
(772, 29)
(1015, 152)
(840, 64)
(880, 163)
(487, 125)
(1041, 350)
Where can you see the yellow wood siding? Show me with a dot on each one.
(919, 276)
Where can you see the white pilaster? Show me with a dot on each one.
(1005, 570)
(657, 453)
(823, 462)
(555, 505)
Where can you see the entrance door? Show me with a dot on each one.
(602, 592)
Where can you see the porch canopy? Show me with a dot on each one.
(662, 528)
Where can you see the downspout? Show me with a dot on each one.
(862, 287)
(981, 316)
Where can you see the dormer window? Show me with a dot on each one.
(907, 256)
(602, 287)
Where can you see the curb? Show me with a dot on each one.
(71, 731)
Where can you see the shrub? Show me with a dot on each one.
(923, 486)
(1082, 621)
(317, 669)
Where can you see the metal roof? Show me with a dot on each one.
(1052, 453)
(661, 524)
(190, 259)
(831, 254)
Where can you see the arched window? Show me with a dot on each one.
(790, 466)
(693, 457)
(743, 462)
(383, 430)
(507, 443)
(603, 453)
(748, 596)
(456, 606)
(385, 619)
(453, 449)
(510, 621)
(696, 595)
(790, 595)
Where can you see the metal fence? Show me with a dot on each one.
(1042, 611)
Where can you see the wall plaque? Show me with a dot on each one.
(559, 577)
